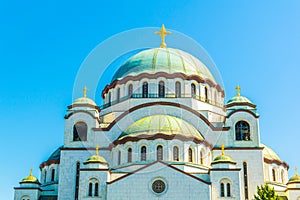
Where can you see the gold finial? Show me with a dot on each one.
(97, 149)
(238, 90)
(163, 32)
(85, 89)
(30, 174)
(296, 170)
(223, 147)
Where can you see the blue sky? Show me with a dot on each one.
(43, 43)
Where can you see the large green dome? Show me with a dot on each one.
(161, 124)
(166, 60)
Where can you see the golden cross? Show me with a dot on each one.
(163, 32)
(84, 91)
(296, 170)
(238, 90)
(30, 172)
(223, 147)
(97, 149)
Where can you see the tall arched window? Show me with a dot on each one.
(175, 153)
(77, 180)
(205, 94)
(159, 153)
(109, 97)
(45, 176)
(119, 157)
(90, 194)
(222, 190)
(274, 174)
(282, 176)
(245, 180)
(143, 153)
(242, 131)
(80, 131)
(193, 90)
(190, 155)
(145, 90)
(216, 97)
(118, 95)
(96, 192)
(25, 197)
(129, 155)
(201, 157)
(52, 174)
(177, 89)
(228, 189)
(161, 89)
(130, 90)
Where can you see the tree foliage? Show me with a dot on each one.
(264, 192)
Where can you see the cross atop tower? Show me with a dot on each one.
(85, 89)
(296, 170)
(163, 32)
(223, 148)
(97, 149)
(238, 90)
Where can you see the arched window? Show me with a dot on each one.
(201, 157)
(205, 94)
(193, 90)
(77, 180)
(177, 89)
(52, 174)
(228, 189)
(216, 97)
(143, 153)
(161, 89)
(118, 95)
(130, 90)
(25, 198)
(159, 153)
(119, 157)
(245, 180)
(96, 193)
(175, 153)
(109, 97)
(45, 176)
(222, 190)
(129, 155)
(282, 176)
(90, 190)
(145, 90)
(80, 131)
(190, 155)
(274, 174)
(242, 131)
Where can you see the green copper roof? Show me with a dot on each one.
(84, 100)
(95, 159)
(163, 124)
(239, 99)
(295, 178)
(163, 60)
(223, 158)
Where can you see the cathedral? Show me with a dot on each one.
(163, 132)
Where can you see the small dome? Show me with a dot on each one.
(84, 100)
(239, 99)
(161, 124)
(96, 159)
(166, 60)
(223, 158)
(30, 178)
(295, 179)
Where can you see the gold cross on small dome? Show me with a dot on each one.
(296, 170)
(163, 32)
(238, 90)
(97, 149)
(85, 89)
(223, 149)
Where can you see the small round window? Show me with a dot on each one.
(158, 186)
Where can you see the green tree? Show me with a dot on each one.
(264, 192)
